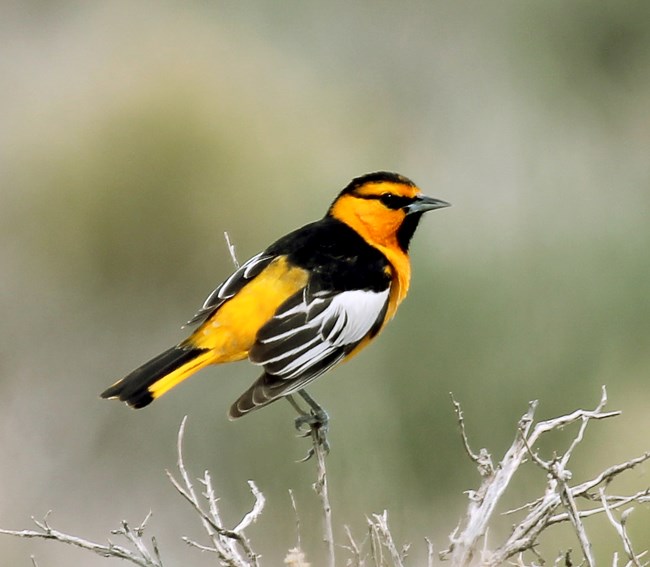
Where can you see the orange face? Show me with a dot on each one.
(384, 210)
(376, 210)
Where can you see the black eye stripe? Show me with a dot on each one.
(390, 200)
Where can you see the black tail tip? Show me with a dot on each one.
(111, 393)
(135, 399)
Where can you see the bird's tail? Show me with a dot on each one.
(159, 375)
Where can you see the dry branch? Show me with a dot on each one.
(322, 489)
(231, 546)
(140, 555)
(561, 501)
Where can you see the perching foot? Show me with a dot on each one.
(313, 423)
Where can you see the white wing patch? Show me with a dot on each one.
(314, 332)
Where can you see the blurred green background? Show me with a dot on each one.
(132, 134)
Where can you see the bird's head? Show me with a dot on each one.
(383, 207)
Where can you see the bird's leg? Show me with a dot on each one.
(316, 420)
(318, 416)
(301, 412)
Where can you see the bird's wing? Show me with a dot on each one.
(309, 334)
(231, 286)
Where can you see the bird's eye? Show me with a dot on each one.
(393, 201)
(389, 200)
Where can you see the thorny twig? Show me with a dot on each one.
(430, 552)
(382, 535)
(542, 512)
(228, 545)
(464, 543)
(231, 250)
(353, 548)
(559, 503)
(232, 547)
(620, 527)
(322, 489)
(140, 555)
(381, 548)
(483, 460)
(294, 507)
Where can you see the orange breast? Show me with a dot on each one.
(401, 278)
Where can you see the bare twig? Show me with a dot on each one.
(561, 501)
(385, 538)
(558, 489)
(376, 549)
(583, 490)
(353, 548)
(542, 512)
(464, 544)
(564, 420)
(140, 556)
(574, 516)
(198, 545)
(231, 249)
(322, 489)
(430, 552)
(135, 537)
(255, 512)
(609, 473)
(225, 542)
(483, 460)
(297, 516)
(620, 527)
(382, 549)
(232, 547)
(221, 545)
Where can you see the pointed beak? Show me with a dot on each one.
(423, 203)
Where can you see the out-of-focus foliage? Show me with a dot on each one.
(134, 133)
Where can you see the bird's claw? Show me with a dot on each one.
(313, 423)
(321, 442)
(308, 421)
(316, 425)
(308, 456)
(303, 432)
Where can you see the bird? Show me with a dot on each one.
(312, 299)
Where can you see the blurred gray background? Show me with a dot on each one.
(132, 134)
